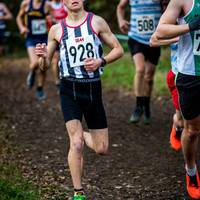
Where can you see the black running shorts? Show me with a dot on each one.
(188, 87)
(151, 54)
(80, 99)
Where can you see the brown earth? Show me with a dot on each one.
(141, 164)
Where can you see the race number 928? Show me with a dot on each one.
(78, 52)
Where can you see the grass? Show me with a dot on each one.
(121, 73)
(14, 187)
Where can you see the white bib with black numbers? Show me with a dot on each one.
(145, 24)
(38, 26)
(80, 49)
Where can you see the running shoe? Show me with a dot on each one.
(175, 138)
(136, 115)
(193, 184)
(79, 196)
(30, 80)
(40, 95)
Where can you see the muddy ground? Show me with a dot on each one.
(141, 164)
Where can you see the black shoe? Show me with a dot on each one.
(136, 115)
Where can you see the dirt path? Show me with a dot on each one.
(140, 164)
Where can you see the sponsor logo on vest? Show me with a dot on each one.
(81, 39)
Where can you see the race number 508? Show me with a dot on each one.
(146, 24)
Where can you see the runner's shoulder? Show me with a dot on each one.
(56, 28)
(2, 5)
(25, 3)
(56, 32)
(98, 23)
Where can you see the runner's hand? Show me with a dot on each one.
(24, 30)
(92, 64)
(194, 24)
(124, 26)
(41, 50)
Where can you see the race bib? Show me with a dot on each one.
(196, 46)
(80, 49)
(145, 24)
(38, 26)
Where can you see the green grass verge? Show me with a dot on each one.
(121, 73)
(14, 187)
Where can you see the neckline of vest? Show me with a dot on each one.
(77, 25)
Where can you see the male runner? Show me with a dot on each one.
(187, 13)
(31, 21)
(5, 14)
(143, 21)
(177, 127)
(58, 12)
(81, 64)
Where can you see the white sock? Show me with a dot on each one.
(192, 171)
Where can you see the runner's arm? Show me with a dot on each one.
(167, 27)
(46, 52)
(123, 24)
(110, 40)
(156, 42)
(103, 31)
(20, 17)
(48, 11)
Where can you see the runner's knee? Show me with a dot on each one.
(76, 144)
(140, 71)
(76, 138)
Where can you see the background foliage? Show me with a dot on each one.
(104, 8)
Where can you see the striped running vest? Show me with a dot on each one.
(36, 21)
(2, 22)
(58, 11)
(76, 44)
(189, 45)
(145, 15)
(174, 54)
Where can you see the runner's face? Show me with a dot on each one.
(74, 5)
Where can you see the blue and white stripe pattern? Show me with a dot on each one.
(71, 34)
(174, 57)
(145, 15)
